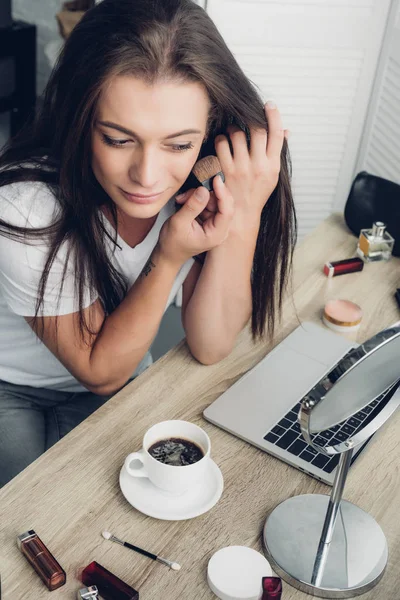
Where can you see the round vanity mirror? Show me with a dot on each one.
(357, 380)
(366, 378)
(323, 545)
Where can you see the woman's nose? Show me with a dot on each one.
(146, 170)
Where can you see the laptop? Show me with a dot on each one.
(262, 406)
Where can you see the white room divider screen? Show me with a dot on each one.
(380, 146)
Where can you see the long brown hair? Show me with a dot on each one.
(155, 40)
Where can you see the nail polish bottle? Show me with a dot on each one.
(41, 559)
(110, 586)
(272, 588)
(375, 244)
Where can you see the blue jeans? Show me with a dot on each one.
(33, 419)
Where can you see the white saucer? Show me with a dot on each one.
(150, 500)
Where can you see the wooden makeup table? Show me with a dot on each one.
(71, 493)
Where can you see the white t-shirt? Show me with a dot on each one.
(24, 359)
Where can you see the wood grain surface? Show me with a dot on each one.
(71, 493)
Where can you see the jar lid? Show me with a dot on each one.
(342, 315)
(236, 572)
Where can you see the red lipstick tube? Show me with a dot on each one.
(109, 585)
(341, 267)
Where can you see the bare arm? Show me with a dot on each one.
(220, 304)
(104, 362)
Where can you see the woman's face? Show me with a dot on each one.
(146, 139)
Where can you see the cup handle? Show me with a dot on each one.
(141, 472)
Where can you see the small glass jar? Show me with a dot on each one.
(375, 244)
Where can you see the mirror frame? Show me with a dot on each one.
(319, 392)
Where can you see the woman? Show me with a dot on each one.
(92, 246)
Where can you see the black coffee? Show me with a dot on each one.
(176, 452)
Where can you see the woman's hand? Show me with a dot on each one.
(250, 175)
(184, 234)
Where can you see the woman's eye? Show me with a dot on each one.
(113, 142)
(182, 147)
(119, 143)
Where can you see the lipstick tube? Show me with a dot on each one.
(341, 267)
(110, 586)
(41, 559)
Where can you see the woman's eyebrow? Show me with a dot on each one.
(128, 132)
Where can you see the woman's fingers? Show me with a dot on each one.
(258, 144)
(223, 153)
(181, 198)
(211, 204)
(194, 205)
(275, 133)
(221, 219)
(239, 145)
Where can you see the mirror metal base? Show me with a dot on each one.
(356, 558)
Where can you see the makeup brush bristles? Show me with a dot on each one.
(205, 169)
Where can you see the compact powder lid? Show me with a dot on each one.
(236, 572)
(342, 315)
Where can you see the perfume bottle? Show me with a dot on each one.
(375, 244)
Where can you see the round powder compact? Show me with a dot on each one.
(342, 315)
(236, 572)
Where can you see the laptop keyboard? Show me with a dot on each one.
(287, 434)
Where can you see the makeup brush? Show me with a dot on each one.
(206, 169)
(172, 565)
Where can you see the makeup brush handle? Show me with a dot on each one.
(140, 550)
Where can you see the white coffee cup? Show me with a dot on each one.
(170, 478)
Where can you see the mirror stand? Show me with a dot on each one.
(326, 546)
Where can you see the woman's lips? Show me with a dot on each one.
(140, 198)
